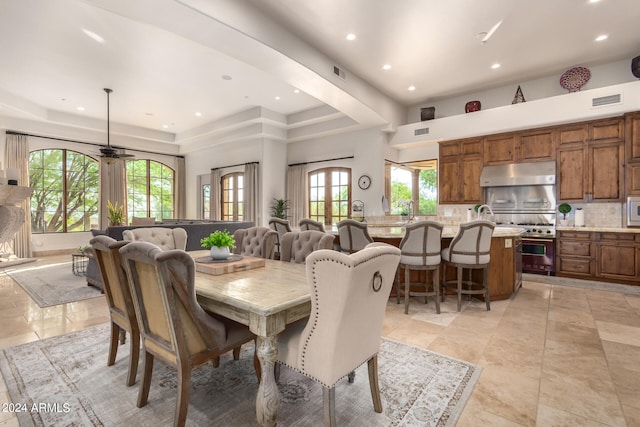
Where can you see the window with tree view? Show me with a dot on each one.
(329, 195)
(413, 181)
(149, 189)
(65, 191)
(232, 196)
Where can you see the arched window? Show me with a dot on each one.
(232, 196)
(150, 189)
(65, 191)
(329, 195)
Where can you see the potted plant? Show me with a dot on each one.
(116, 213)
(220, 242)
(564, 209)
(279, 208)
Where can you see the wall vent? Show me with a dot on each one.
(422, 131)
(606, 100)
(338, 72)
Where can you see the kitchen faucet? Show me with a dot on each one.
(485, 206)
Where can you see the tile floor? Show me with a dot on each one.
(554, 355)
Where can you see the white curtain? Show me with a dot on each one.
(214, 195)
(113, 187)
(180, 210)
(250, 193)
(297, 193)
(16, 156)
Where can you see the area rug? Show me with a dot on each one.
(52, 284)
(64, 381)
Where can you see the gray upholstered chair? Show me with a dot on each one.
(469, 250)
(136, 220)
(173, 326)
(296, 246)
(353, 235)
(280, 226)
(164, 238)
(420, 249)
(349, 295)
(309, 224)
(121, 310)
(255, 241)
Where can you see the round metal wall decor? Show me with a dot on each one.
(635, 66)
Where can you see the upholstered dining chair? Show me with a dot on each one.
(296, 246)
(353, 235)
(121, 310)
(137, 220)
(173, 326)
(280, 226)
(420, 249)
(255, 241)
(163, 237)
(469, 250)
(349, 294)
(309, 224)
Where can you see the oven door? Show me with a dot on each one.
(538, 255)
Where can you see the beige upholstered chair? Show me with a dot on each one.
(309, 224)
(469, 250)
(136, 220)
(353, 235)
(349, 296)
(121, 311)
(280, 226)
(173, 326)
(296, 246)
(162, 237)
(255, 241)
(420, 249)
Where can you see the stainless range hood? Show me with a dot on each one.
(514, 174)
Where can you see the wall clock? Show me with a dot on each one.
(364, 182)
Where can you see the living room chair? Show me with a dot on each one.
(255, 241)
(309, 224)
(353, 235)
(136, 220)
(420, 249)
(173, 326)
(280, 226)
(469, 250)
(162, 237)
(296, 246)
(121, 310)
(349, 295)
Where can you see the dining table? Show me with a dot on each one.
(266, 299)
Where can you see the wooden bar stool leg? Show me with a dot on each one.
(436, 284)
(485, 283)
(407, 288)
(459, 278)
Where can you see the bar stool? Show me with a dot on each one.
(469, 250)
(420, 250)
(353, 235)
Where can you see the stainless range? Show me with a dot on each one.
(523, 195)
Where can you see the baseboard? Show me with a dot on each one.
(54, 252)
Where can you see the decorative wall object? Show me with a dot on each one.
(472, 106)
(575, 78)
(635, 66)
(427, 113)
(519, 97)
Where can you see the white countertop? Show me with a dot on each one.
(599, 229)
(382, 231)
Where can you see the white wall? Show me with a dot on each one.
(273, 171)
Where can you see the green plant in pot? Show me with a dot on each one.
(220, 242)
(564, 209)
(279, 208)
(115, 214)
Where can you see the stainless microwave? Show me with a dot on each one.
(633, 211)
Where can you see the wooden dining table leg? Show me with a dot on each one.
(268, 398)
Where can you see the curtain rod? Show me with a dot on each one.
(11, 132)
(239, 164)
(320, 161)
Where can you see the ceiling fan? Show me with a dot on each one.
(108, 153)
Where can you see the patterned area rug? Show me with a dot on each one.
(65, 381)
(52, 284)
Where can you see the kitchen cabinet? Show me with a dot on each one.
(499, 149)
(618, 256)
(572, 134)
(575, 254)
(536, 146)
(632, 154)
(592, 170)
(460, 166)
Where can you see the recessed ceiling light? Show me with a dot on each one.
(226, 77)
(411, 88)
(80, 108)
(594, 1)
(277, 98)
(148, 114)
(93, 35)
(602, 37)
(495, 66)
(198, 114)
(350, 37)
(386, 67)
(296, 91)
(165, 126)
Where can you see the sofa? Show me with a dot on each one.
(196, 230)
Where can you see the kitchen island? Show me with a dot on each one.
(505, 268)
